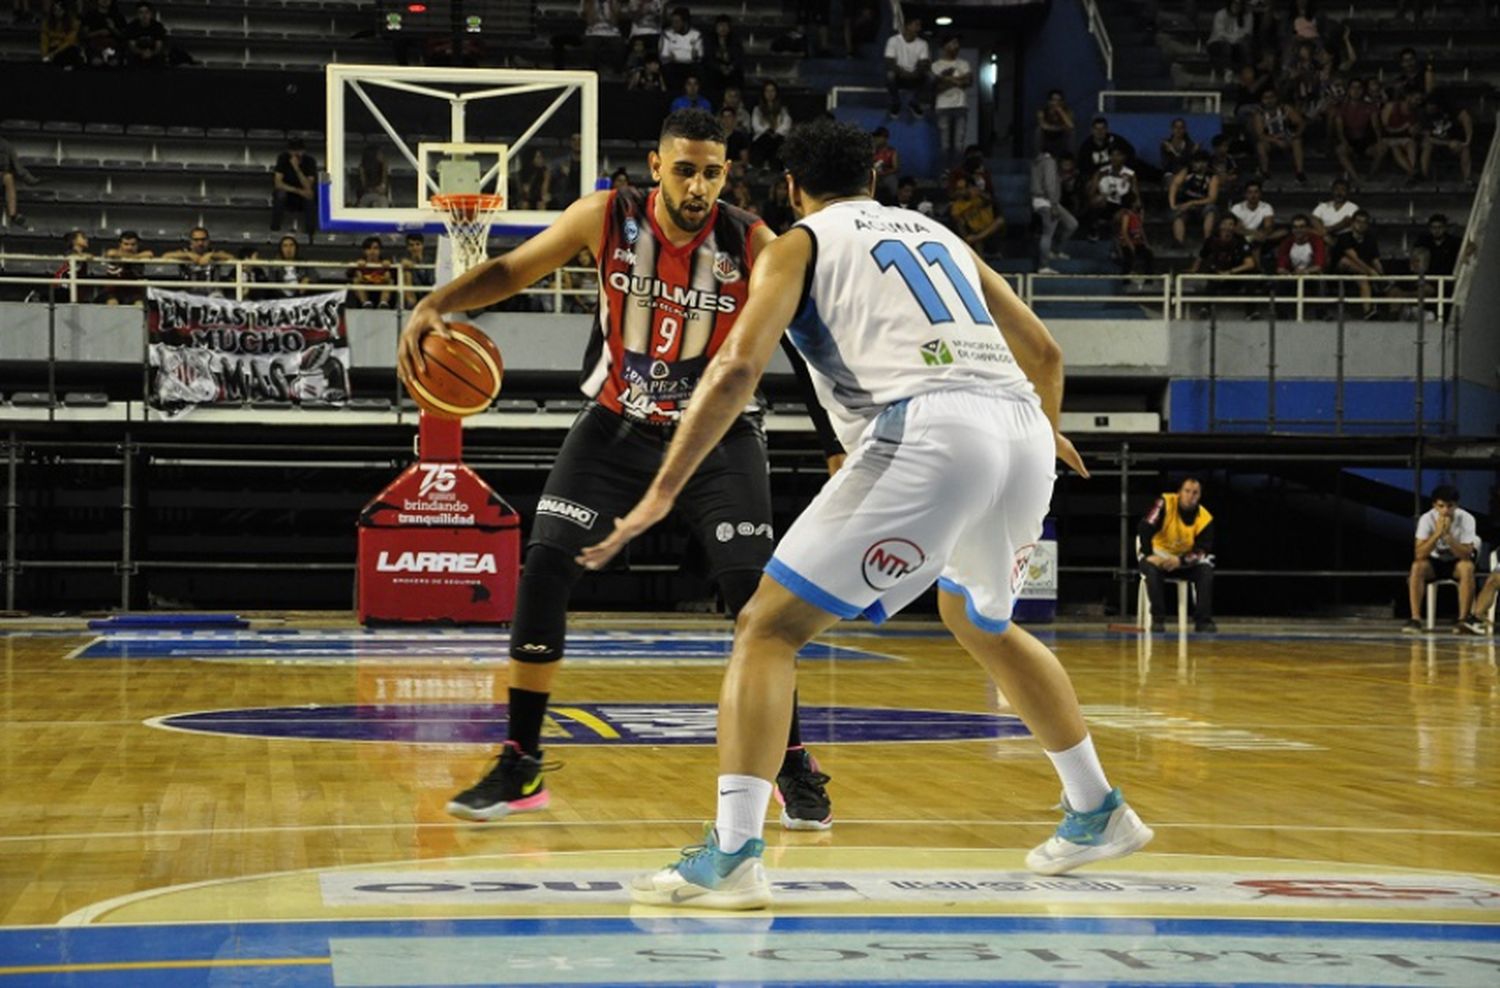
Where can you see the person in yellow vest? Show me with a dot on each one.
(1179, 532)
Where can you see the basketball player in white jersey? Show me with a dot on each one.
(946, 391)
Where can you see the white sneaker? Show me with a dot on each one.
(707, 878)
(1046, 269)
(1058, 255)
(1111, 831)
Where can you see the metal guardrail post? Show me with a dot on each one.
(1338, 366)
(1124, 529)
(1213, 368)
(1271, 362)
(12, 508)
(1457, 325)
(1421, 358)
(127, 513)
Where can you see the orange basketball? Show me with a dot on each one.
(462, 376)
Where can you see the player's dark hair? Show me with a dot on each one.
(132, 235)
(829, 158)
(1445, 492)
(365, 243)
(693, 125)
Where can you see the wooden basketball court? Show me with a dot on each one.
(265, 806)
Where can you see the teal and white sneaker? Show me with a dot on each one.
(707, 878)
(1111, 831)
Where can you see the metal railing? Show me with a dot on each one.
(1101, 37)
(1256, 289)
(1210, 100)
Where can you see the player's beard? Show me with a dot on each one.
(682, 221)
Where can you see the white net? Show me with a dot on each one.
(468, 217)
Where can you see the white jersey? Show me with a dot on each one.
(894, 309)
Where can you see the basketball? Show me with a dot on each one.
(462, 374)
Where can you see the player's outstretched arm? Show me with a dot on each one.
(727, 386)
(502, 277)
(1036, 352)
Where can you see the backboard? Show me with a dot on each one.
(430, 125)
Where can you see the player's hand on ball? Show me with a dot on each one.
(409, 359)
(648, 511)
(1069, 455)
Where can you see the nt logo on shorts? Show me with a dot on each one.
(889, 560)
(562, 508)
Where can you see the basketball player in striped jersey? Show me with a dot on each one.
(674, 269)
(946, 389)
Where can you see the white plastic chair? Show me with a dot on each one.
(1143, 599)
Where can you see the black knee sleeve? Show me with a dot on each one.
(737, 587)
(536, 634)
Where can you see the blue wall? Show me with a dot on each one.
(1147, 130)
(1061, 54)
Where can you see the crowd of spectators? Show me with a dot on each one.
(76, 34)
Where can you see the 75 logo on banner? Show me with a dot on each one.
(437, 478)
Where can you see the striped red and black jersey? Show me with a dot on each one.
(663, 310)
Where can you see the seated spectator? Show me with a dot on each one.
(1413, 77)
(645, 23)
(11, 169)
(1306, 28)
(769, 125)
(737, 140)
(199, 262)
(648, 77)
(415, 269)
(1245, 95)
(1070, 185)
(1278, 126)
(1047, 204)
(372, 180)
(723, 56)
(128, 249)
(1193, 198)
(565, 174)
(974, 217)
(582, 276)
(1112, 186)
(1441, 246)
(1334, 217)
(908, 65)
(619, 180)
(909, 197)
(1224, 164)
(681, 49)
(777, 210)
(1356, 131)
(974, 169)
(601, 30)
(103, 28)
(1226, 252)
(733, 100)
(691, 98)
(1096, 149)
(812, 20)
(1257, 217)
(1055, 127)
(1452, 132)
(1447, 544)
(1136, 256)
(1310, 84)
(146, 39)
(635, 57)
(249, 275)
(1400, 120)
(75, 262)
(1177, 541)
(1302, 251)
(532, 185)
(1230, 39)
(60, 43)
(953, 77)
(372, 269)
(294, 186)
(287, 270)
(1357, 252)
(1177, 148)
(741, 196)
(887, 165)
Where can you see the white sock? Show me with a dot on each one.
(1081, 774)
(742, 810)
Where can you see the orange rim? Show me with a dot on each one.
(468, 203)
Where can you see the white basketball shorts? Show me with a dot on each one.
(949, 486)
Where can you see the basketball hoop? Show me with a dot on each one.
(468, 216)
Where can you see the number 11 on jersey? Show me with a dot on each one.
(899, 255)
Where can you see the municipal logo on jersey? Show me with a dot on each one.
(726, 268)
(936, 353)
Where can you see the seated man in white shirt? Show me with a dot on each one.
(1447, 542)
(1333, 218)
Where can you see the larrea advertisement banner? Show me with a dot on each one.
(204, 350)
